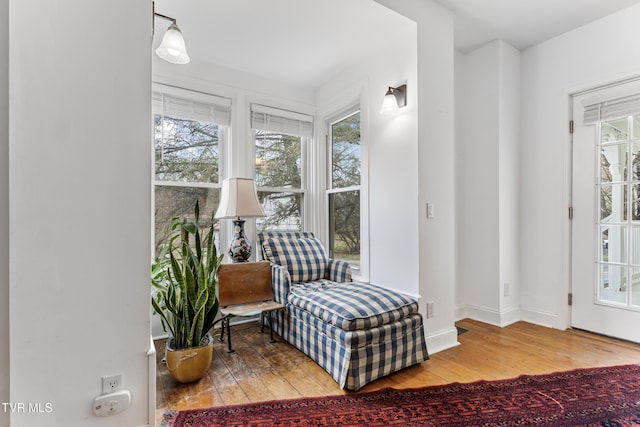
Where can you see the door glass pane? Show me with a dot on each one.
(634, 254)
(604, 244)
(616, 244)
(614, 130)
(619, 197)
(635, 160)
(613, 279)
(635, 127)
(635, 286)
(613, 203)
(613, 163)
(635, 176)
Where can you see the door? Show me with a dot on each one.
(606, 213)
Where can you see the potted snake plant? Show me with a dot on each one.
(185, 297)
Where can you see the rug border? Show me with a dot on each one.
(170, 415)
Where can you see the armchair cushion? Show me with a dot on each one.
(338, 271)
(304, 258)
(352, 306)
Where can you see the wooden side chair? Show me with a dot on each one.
(244, 290)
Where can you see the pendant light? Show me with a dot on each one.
(172, 48)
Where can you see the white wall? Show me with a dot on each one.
(390, 149)
(436, 184)
(4, 208)
(509, 184)
(460, 97)
(79, 207)
(487, 157)
(477, 178)
(593, 55)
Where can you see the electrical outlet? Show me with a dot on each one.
(429, 309)
(111, 383)
(430, 211)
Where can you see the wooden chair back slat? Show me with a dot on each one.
(243, 283)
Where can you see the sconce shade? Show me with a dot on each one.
(172, 49)
(394, 99)
(389, 103)
(239, 199)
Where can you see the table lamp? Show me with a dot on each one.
(239, 199)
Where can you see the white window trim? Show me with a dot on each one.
(225, 153)
(306, 141)
(348, 108)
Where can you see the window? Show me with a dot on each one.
(189, 130)
(344, 190)
(618, 191)
(281, 138)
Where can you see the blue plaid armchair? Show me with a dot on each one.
(357, 332)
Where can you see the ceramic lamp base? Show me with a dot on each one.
(240, 247)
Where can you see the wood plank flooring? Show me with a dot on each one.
(259, 371)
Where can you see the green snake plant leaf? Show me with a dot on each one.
(185, 296)
(159, 310)
(189, 227)
(195, 334)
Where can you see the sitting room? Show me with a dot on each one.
(382, 210)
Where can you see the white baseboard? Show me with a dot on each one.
(493, 317)
(506, 317)
(483, 314)
(538, 317)
(460, 312)
(442, 340)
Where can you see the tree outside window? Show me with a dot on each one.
(278, 175)
(187, 168)
(344, 191)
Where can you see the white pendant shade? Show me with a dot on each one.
(172, 49)
(239, 199)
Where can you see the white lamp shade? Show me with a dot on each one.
(172, 49)
(389, 104)
(239, 199)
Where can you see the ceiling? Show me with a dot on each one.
(306, 42)
(300, 42)
(523, 23)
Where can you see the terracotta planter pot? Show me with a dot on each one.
(189, 364)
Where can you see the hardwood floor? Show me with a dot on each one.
(259, 371)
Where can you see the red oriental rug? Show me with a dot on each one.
(584, 397)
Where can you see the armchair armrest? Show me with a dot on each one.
(281, 282)
(338, 271)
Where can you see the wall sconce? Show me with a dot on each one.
(394, 99)
(172, 49)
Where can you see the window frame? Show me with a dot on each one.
(361, 273)
(305, 143)
(224, 133)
